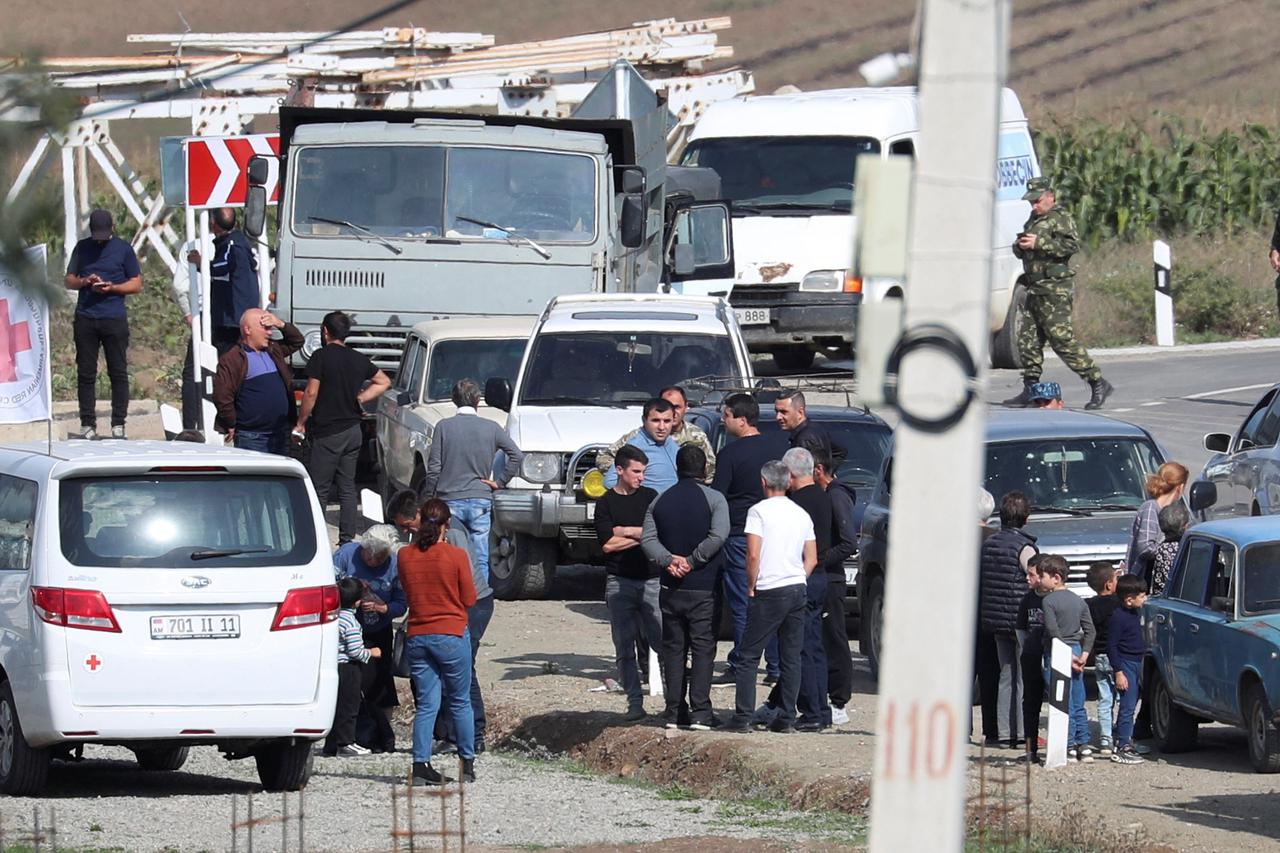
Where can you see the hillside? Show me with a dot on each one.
(1106, 58)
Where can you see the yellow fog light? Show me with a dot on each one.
(593, 484)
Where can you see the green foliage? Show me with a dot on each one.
(1126, 182)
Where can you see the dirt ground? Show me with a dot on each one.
(540, 660)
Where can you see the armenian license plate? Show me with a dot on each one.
(216, 626)
(752, 316)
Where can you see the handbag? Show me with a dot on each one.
(400, 652)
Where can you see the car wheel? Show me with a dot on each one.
(162, 758)
(872, 625)
(285, 765)
(1174, 729)
(521, 566)
(1264, 737)
(23, 768)
(1004, 344)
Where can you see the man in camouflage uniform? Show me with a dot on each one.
(1046, 244)
(683, 433)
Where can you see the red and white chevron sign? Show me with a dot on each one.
(216, 168)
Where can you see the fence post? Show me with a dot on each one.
(1163, 257)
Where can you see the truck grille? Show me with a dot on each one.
(578, 531)
(383, 346)
(749, 295)
(344, 278)
(586, 462)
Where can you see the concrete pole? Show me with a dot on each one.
(919, 791)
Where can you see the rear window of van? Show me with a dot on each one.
(184, 520)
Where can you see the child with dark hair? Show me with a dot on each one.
(1102, 580)
(1174, 520)
(1066, 618)
(1126, 648)
(352, 656)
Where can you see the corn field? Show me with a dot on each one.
(1129, 183)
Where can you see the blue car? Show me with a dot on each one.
(1213, 637)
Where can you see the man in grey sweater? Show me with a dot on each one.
(460, 467)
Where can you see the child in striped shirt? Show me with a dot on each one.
(352, 656)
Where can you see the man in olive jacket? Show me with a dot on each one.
(253, 385)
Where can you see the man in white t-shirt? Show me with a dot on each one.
(781, 553)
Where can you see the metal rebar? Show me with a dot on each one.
(444, 813)
(249, 824)
(302, 819)
(412, 837)
(53, 829)
(1027, 829)
(234, 822)
(35, 833)
(462, 812)
(284, 821)
(395, 819)
(1004, 806)
(982, 794)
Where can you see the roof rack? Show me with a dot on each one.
(713, 390)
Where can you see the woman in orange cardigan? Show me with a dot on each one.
(436, 577)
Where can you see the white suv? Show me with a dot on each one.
(161, 595)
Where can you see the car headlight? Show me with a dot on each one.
(540, 467)
(593, 484)
(311, 343)
(823, 281)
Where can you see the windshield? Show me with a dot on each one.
(1074, 473)
(1262, 578)
(479, 359)
(865, 445)
(600, 368)
(180, 521)
(420, 191)
(805, 172)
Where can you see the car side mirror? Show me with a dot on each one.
(497, 393)
(404, 398)
(255, 211)
(1222, 604)
(632, 224)
(258, 171)
(1217, 442)
(632, 180)
(682, 260)
(1204, 494)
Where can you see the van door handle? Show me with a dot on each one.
(1161, 618)
(1195, 629)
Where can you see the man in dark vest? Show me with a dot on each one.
(1002, 584)
(684, 529)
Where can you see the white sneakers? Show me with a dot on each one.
(839, 716)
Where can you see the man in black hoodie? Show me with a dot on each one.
(1002, 584)
(844, 542)
(684, 530)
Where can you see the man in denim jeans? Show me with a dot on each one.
(460, 467)
(781, 553)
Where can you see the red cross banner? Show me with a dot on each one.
(25, 387)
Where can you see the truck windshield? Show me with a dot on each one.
(479, 359)
(184, 520)
(1073, 474)
(619, 368)
(778, 173)
(419, 191)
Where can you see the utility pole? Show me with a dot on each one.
(934, 379)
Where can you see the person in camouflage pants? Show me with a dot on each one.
(1046, 244)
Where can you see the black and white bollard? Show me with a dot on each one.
(1059, 704)
(1163, 257)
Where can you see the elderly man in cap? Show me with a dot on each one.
(1046, 245)
(1046, 395)
(104, 270)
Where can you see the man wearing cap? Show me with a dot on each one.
(233, 270)
(1047, 395)
(1046, 244)
(104, 270)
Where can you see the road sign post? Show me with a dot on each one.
(1163, 257)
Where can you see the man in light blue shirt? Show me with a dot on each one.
(655, 440)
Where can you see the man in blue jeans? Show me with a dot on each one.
(460, 467)
(738, 479)
(253, 385)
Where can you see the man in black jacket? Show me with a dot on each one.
(844, 542)
(684, 531)
(233, 271)
(790, 411)
(1002, 584)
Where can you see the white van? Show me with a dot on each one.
(160, 595)
(787, 164)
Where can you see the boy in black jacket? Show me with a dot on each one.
(1102, 580)
(1030, 627)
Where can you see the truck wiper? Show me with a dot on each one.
(513, 234)
(1065, 510)
(211, 553)
(564, 400)
(360, 228)
(1113, 508)
(760, 207)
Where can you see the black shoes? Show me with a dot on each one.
(1101, 389)
(782, 727)
(634, 713)
(1023, 399)
(468, 770)
(425, 774)
(737, 725)
(810, 727)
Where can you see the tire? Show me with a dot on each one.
(794, 358)
(162, 758)
(526, 570)
(285, 765)
(871, 640)
(1264, 737)
(23, 768)
(1173, 728)
(1004, 344)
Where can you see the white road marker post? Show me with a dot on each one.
(1059, 704)
(1163, 257)
(934, 379)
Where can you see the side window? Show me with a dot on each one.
(1198, 561)
(1223, 575)
(419, 368)
(18, 501)
(1269, 429)
(904, 147)
(405, 370)
(1249, 432)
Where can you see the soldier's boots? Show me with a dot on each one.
(1023, 399)
(1101, 391)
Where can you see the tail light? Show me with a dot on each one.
(852, 283)
(312, 605)
(74, 608)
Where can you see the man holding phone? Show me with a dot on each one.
(104, 269)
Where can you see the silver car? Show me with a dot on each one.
(1245, 467)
